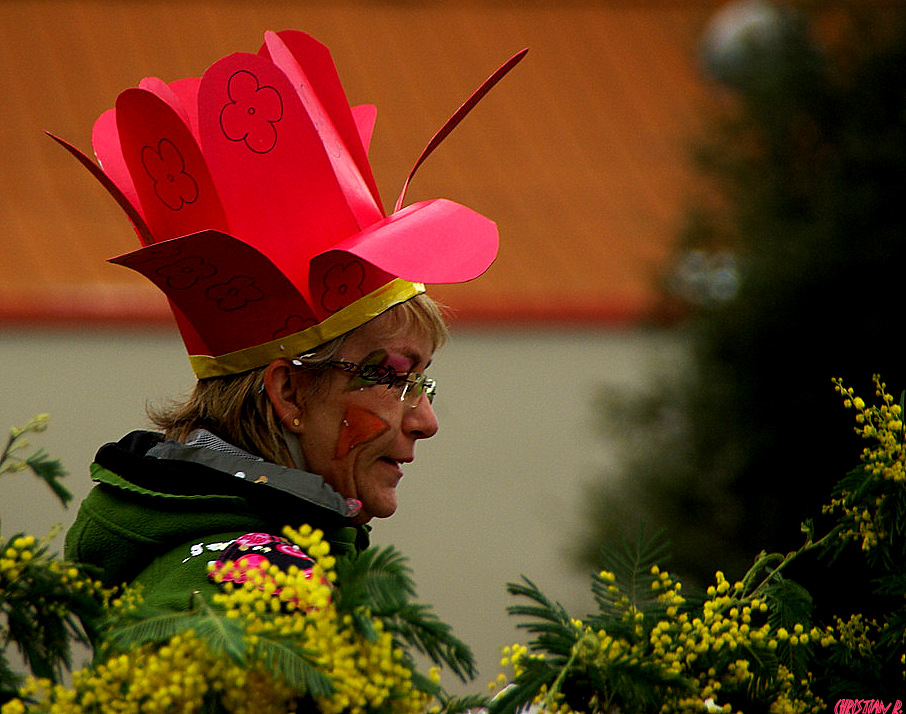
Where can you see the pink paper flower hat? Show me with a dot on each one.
(260, 220)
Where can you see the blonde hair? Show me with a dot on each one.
(237, 408)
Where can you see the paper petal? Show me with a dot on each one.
(187, 92)
(163, 90)
(338, 279)
(138, 222)
(105, 141)
(173, 183)
(316, 61)
(232, 294)
(435, 241)
(365, 116)
(355, 189)
(458, 116)
(269, 163)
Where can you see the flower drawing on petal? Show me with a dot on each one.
(235, 294)
(251, 113)
(167, 169)
(185, 272)
(294, 324)
(342, 285)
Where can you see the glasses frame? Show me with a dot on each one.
(413, 384)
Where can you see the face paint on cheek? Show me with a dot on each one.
(358, 427)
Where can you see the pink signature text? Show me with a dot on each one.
(867, 706)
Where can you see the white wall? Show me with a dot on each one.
(496, 494)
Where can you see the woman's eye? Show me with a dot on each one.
(378, 375)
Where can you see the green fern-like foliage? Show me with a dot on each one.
(40, 463)
(594, 664)
(377, 578)
(648, 648)
(743, 646)
(222, 636)
(869, 504)
(374, 589)
(548, 620)
(46, 604)
(378, 582)
(630, 567)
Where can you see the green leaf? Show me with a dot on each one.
(218, 632)
(376, 579)
(378, 583)
(154, 629)
(364, 624)
(789, 604)
(631, 565)
(546, 609)
(51, 471)
(417, 625)
(548, 620)
(428, 686)
(294, 665)
(41, 613)
(460, 705)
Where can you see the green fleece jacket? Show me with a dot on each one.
(161, 511)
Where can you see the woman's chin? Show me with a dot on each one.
(381, 507)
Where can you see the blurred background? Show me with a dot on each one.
(701, 225)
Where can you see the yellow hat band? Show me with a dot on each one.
(341, 322)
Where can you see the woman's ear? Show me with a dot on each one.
(281, 391)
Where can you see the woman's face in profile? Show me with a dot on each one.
(359, 435)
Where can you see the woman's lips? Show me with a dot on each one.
(394, 464)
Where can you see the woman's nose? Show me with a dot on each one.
(420, 421)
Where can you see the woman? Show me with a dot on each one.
(351, 411)
(302, 308)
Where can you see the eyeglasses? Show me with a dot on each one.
(410, 386)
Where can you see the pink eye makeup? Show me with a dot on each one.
(398, 363)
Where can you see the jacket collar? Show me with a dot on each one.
(209, 450)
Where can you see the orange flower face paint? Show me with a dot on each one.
(358, 427)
